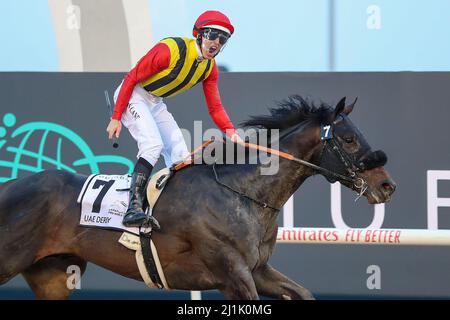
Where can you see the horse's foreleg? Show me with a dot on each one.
(240, 285)
(48, 278)
(233, 276)
(270, 282)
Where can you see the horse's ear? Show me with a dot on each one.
(339, 107)
(349, 108)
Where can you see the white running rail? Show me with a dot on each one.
(419, 237)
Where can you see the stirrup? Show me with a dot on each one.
(134, 222)
(152, 223)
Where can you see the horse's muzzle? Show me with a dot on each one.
(382, 192)
(388, 187)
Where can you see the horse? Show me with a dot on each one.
(211, 237)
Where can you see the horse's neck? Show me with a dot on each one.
(291, 175)
(275, 189)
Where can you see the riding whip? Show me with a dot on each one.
(108, 104)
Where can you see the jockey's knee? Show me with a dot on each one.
(151, 154)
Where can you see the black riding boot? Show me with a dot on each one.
(135, 216)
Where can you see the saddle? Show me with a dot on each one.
(156, 185)
(159, 180)
(146, 253)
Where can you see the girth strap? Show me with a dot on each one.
(149, 261)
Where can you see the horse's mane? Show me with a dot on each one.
(289, 112)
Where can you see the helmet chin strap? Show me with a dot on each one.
(200, 44)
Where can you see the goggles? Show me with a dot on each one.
(213, 34)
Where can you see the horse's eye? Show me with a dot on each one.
(349, 139)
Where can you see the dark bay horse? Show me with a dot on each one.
(211, 237)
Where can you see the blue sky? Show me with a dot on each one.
(284, 35)
(28, 40)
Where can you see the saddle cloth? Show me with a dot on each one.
(104, 201)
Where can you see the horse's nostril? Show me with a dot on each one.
(388, 186)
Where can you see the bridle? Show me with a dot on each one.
(330, 142)
(352, 168)
(330, 145)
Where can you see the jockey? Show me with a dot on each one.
(172, 66)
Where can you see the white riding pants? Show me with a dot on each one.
(153, 127)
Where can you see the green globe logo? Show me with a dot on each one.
(27, 150)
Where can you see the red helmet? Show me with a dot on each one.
(213, 19)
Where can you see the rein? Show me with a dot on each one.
(358, 182)
(281, 154)
(290, 157)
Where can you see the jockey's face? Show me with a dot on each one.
(210, 48)
(212, 42)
